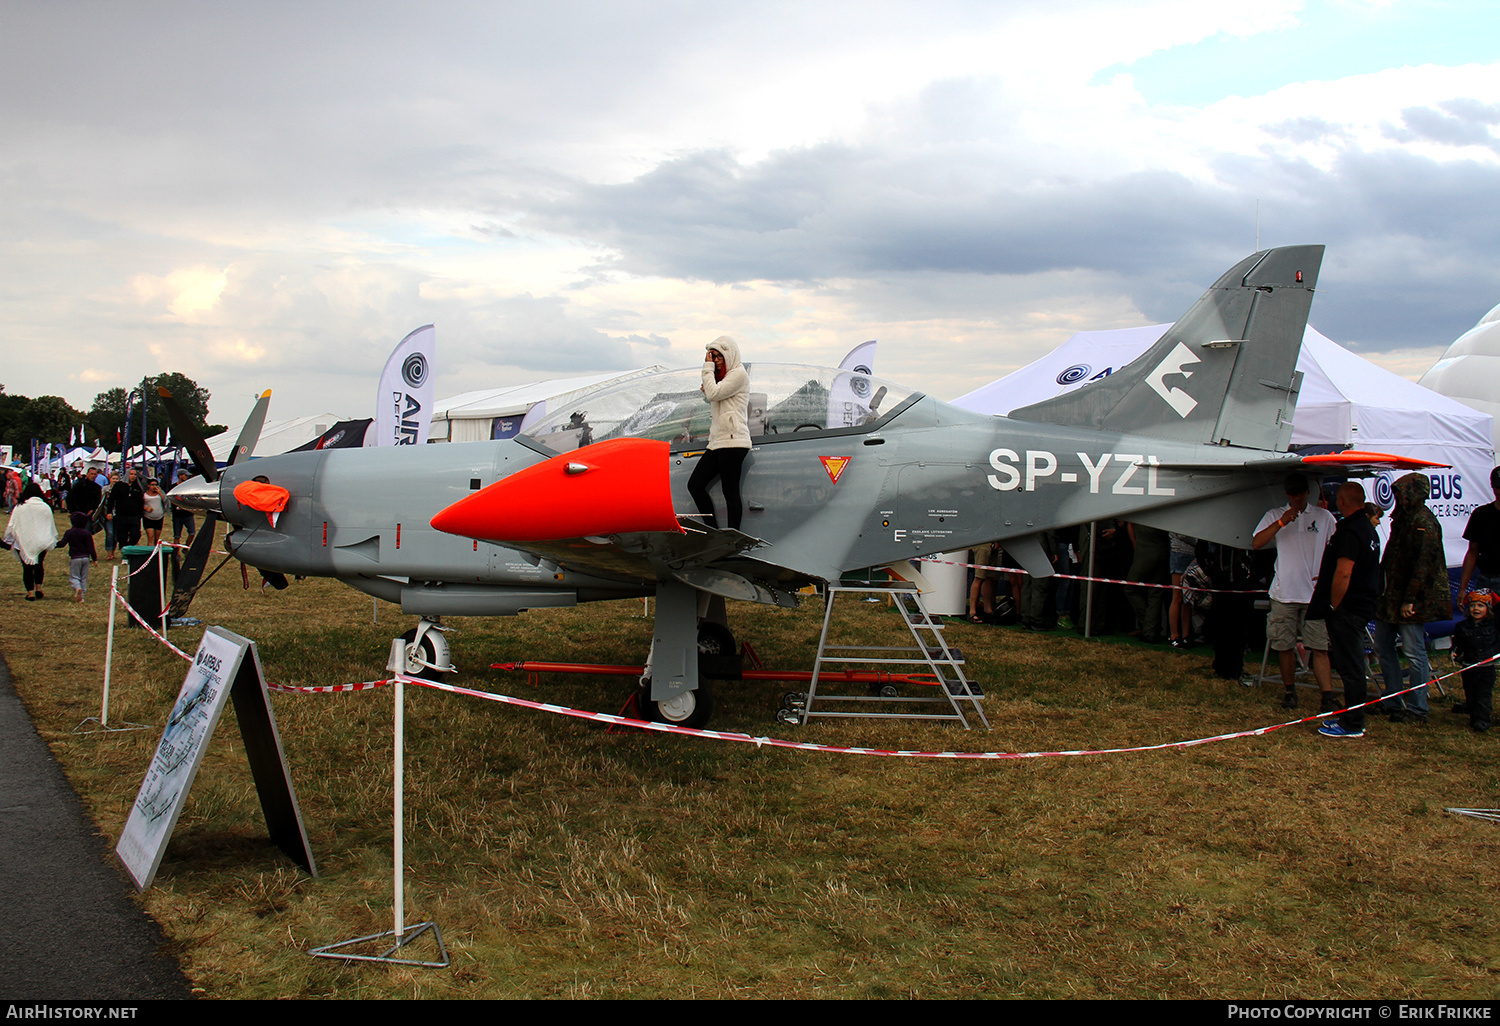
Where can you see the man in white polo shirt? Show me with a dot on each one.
(1298, 532)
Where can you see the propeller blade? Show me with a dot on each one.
(192, 568)
(203, 458)
(250, 433)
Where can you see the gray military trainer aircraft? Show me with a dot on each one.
(846, 472)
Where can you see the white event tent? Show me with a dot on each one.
(1345, 400)
(471, 416)
(276, 437)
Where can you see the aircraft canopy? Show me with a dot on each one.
(785, 399)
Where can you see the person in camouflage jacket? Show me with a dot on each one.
(1415, 592)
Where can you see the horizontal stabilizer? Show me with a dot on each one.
(1352, 460)
(1349, 462)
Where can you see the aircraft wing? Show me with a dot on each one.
(715, 560)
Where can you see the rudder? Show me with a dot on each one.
(1224, 374)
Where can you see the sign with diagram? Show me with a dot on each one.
(225, 665)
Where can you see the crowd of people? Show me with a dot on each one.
(1329, 577)
(123, 508)
(1154, 585)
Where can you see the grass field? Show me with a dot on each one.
(563, 861)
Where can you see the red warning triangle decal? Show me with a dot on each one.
(835, 466)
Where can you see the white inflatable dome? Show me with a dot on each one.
(1469, 370)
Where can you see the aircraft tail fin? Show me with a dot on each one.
(1224, 374)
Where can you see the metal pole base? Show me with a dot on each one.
(412, 933)
(1490, 814)
(105, 728)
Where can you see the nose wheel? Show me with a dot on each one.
(687, 709)
(427, 652)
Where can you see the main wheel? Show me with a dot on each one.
(688, 709)
(433, 648)
(714, 639)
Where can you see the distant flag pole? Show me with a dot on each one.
(125, 434)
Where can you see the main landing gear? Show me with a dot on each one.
(694, 707)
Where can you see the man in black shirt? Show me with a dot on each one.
(84, 496)
(127, 503)
(1482, 561)
(1348, 587)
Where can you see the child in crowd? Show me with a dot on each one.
(79, 541)
(1477, 638)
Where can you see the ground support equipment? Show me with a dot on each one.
(953, 689)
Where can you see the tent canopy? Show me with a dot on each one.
(469, 416)
(276, 437)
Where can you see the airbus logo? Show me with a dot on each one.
(1176, 398)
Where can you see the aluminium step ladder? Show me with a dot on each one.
(951, 691)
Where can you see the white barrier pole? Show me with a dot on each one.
(161, 584)
(400, 781)
(109, 644)
(1088, 616)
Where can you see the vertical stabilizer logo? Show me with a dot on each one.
(1176, 398)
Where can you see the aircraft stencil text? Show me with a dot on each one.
(1122, 468)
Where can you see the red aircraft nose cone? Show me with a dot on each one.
(606, 488)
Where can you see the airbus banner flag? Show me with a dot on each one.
(849, 398)
(403, 406)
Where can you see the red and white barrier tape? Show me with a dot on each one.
(717, 735)
(1100, 580)
(115, 593)
(319, 689)
(156, 552)
(805, 746)
(330, 689)
(211, 552)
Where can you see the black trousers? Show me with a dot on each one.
(1346, 651)
(31, 576)
(727, 465)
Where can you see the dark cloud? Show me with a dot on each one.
(1308, 130)
(536, 334)
(1412, 240)
(1462, 122)
(831, 211)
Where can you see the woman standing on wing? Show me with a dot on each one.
(726, 386)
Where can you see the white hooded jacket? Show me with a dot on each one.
(728, 400)
(31, 530)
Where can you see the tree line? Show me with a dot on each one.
(49, 418)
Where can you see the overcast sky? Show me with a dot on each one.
(270, 195)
